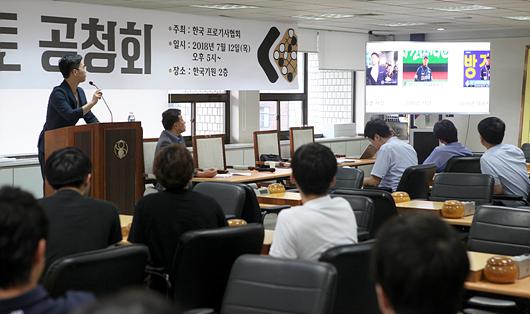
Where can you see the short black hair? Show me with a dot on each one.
(23, 224)
(169, 117)
(492, 130)
(377, 126)
(374, 53)
(68, 166)
(314, 167)
(421, 264)
(446, 131)
(173, 167)
(138, 301)
(68, 63)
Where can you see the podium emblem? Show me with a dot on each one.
(121, 149)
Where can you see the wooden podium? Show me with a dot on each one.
(116, 152)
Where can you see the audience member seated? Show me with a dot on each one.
(419, 266)
(23, 233)
(505, 162)
(393, 156)
(305, 232)
(131, 301)
(446, 132)
(78, 223)
(161, 218)
(174, 126)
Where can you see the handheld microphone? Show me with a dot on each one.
(108, 108)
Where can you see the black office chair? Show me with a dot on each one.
(100, 271)
(384, 205)
(416, 181)
(363, 208)
(355, 288)
(231, 197)
(526, 151)
(203, 260)
(263, 284)
(500, 230)
(463, 186)
(468, 164)
(349, 178)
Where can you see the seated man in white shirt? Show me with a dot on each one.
(505, 162)
(393, 156)
(305, 232)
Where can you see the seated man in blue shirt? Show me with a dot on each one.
(505, 162)
(445, 131)
(23, 233)
(393, 156)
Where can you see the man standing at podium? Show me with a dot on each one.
(68, 103)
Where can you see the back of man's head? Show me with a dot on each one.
(420, 265)
(169, 117)
(446, 131)
(22, 225)
(138, 301)
(314, 167)
(492, 130)
(173, 167)
(377, 126)
(67, 167)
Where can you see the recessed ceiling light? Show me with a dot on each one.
(226, 6)
(440, 29)
(401, 24)
(459, 8)
(518, 18)
(323, 16)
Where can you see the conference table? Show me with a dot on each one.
(434, 207)
(295, 199)
(354, 162)
(247, 176)
(476, 282)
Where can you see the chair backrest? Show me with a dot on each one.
(384, 205)
(231, 197)
(149, 155)
(349, 178)
(100, 271)
(355, 288)
(363, 208)
(203, 260)
(300, 136)
(526, 151)
(266, 142)
(462, 186)
(416, 180)
(251, 210)
(263, 284)
(209, 151)
(500, 230)
(468, 164)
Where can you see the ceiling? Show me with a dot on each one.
(379, 16)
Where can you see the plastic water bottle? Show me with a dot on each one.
(131, 118)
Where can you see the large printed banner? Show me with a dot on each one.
(132, 49)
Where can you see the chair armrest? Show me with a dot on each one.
(149, 178)
(389, 190)
(508, 197)
(272, 209)
(159, 272)
(200, 311)
(363, 235)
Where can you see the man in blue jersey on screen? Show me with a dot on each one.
(423, 73)
(485, 70)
